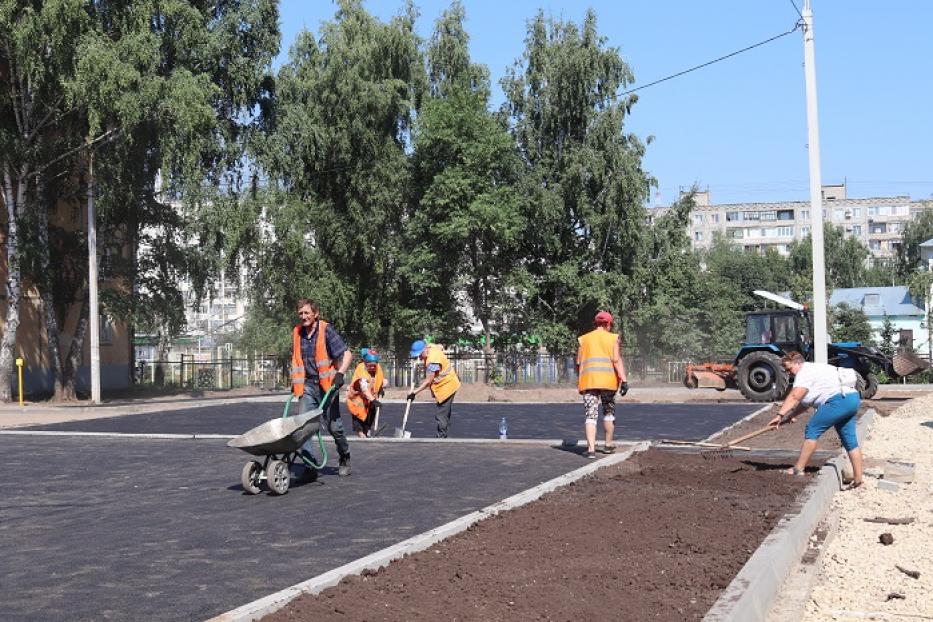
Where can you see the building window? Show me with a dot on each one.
(874, 245)
(751, 216)
(698, 236)
(785, 214)
(714, 218)
(805, 231)
(785, 232)
(805, 214)
(905, 338)
(698, 219)
(877, 227)
(106, 329)
(732, 216)
(825, 214)
(769, 215)
(856, 229)
(735, 234)
(856, 212)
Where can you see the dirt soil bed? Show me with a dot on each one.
(657, 537)
(790, 436)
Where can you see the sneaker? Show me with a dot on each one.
(609, 449)
(344, 469)
(591, 454)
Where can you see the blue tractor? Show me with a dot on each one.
(769, 334)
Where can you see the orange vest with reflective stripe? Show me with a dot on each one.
(325, 366)
(446, 381)
(357, 403)
(596, 368)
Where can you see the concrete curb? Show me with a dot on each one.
(752, 592)
(150, 435)
(274, 602)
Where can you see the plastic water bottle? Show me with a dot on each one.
(503, 429)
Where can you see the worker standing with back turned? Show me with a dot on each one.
(441, 378)
(600, 373)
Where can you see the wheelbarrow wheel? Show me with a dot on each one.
(251, 477)
(277, 476)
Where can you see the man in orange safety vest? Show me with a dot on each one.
(441, 378)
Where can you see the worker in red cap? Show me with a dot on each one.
(600, 373)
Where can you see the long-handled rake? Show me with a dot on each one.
(728, 450)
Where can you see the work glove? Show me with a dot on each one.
(338, 381)
(410, 397)
(623, 388)
(375, 403)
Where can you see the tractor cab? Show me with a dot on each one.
(777, 330)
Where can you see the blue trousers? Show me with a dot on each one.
(838, 412)
(330, 420)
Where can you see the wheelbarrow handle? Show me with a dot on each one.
(322, 405)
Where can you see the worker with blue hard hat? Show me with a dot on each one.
(440, 377)
(366, 387)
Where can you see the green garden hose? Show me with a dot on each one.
(320, 437)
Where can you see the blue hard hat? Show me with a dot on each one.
(371, 356)
(417, 348)
(364, 352)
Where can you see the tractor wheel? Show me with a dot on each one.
(867, 386)
(761, 378)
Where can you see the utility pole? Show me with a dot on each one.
(816, 189)
(92, 282)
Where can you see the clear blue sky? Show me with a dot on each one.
(738, 126)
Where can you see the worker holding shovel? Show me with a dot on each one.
(366, 386)
(320, 359)
(441, 378)
(600, 373)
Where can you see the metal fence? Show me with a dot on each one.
(501, 369)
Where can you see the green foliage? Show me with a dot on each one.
(845, 258)
(885, 340)
(850, 323)
(918, 230)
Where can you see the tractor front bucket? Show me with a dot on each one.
(906, 363)
(719, 376)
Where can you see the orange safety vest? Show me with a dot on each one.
(596, 368)
(446, 382)
(325, 366)
(357, 403)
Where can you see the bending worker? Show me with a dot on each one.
(366, 387)
(315, 347)
(441, 377)
(600, 374)
(820, 385)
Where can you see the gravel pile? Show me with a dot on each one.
(859, 576)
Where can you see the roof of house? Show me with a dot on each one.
(890, 300)
(927, 244)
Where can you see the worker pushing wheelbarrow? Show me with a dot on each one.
(278, 442)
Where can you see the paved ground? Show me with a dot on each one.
(525, 421)
(123, 529)
(98, 528)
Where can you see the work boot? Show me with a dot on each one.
(344, 469)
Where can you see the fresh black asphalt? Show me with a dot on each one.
(95, 528)
(634, 421)
(98, 528)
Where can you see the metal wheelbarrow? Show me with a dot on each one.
(277, 441)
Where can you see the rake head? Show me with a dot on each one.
(720, 453)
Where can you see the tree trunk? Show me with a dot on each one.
(46, 288)
(73, 362)
(14, 195)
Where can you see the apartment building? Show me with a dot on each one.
(877, 222)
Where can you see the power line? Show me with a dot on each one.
(716, 60)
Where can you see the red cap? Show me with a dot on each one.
(603, 317)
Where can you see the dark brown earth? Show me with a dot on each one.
(790, 436)
(656, 537)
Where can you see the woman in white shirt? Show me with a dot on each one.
(820, 386)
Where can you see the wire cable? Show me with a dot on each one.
(716, 60)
